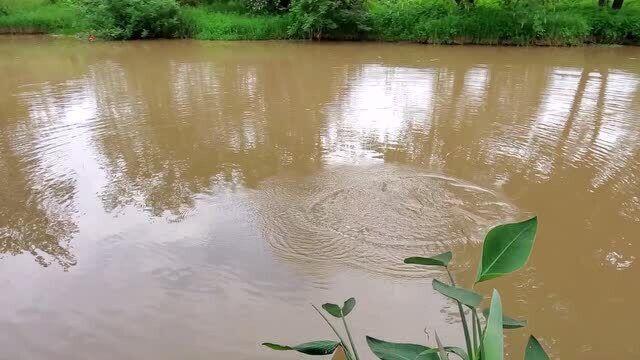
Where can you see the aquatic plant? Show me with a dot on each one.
(506, 248)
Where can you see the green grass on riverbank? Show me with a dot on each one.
(39, 16)
(562, 22)
(216, 23)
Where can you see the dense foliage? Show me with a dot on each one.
(506, 249)
(268, 6)
(333, 19)
(513, 22)
(133, 19)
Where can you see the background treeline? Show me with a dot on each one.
(517, 22)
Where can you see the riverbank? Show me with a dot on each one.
(561, 23)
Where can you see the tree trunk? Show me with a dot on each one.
(617, 4)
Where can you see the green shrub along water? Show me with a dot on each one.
(333, 19)
(507, 22)
(133, 19)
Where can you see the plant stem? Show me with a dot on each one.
(480, 333)
(474, 325)
(347, 352)
(453, 282)
(353, 346)
(465, 326)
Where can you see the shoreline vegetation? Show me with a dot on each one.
(483, 22)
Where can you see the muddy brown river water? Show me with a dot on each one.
(189, 200)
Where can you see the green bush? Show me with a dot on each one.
(329, 19)
(615, 27)
(563, 29)
(412, 19)
(133, 19)
(442, 30)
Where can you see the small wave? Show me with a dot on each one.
(374, 217)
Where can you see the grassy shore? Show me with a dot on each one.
(233, 22)
(562, 22)
(39, 16)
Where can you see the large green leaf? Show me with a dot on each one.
(534, 350)
(465, 296)
(438, 260)
(321, 347)
(385, 350)
(506, 249)
(507, 322)
(348, 306)
(333, 309)
(493, 341)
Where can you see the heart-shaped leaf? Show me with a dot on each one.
(333, 309)
(465, 296)
(507, 322)
(338, 311)
(493, 341)
(534, 350)
(321, 347)
(506, 249)
(385, 350)
(437, 260)
(348, 306)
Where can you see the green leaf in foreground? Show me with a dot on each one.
(507, 322)
(385, 350)
(506, 249)
(333, 309)
(534, 350)
(348, 306)
(465, 296)
(321, 347)
(493, 341)
(438, 260)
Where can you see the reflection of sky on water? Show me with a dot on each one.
(376, 107)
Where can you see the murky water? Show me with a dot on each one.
(188, 200)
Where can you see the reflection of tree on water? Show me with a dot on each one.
(204, 120)
(36, 202)
(30, 220)
(35, 216)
